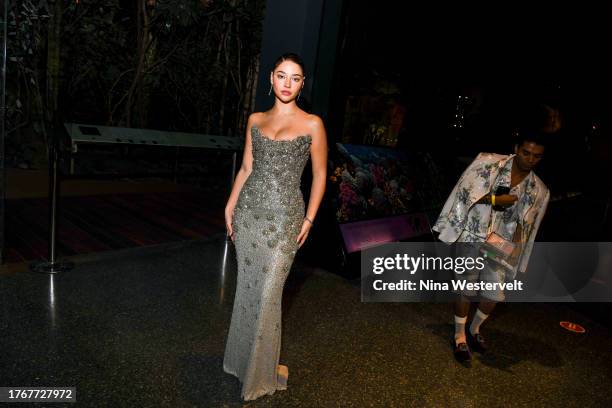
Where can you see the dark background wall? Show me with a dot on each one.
(310, 29)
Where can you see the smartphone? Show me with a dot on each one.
(501, 190)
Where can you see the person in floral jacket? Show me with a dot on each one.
(501, 194)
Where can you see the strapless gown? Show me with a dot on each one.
(267, 220)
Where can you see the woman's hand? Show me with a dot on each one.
(229, 216)
(301, 238)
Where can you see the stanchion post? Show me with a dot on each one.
(175, 166)
(53, 192)
(52, 265)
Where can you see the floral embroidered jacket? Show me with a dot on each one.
(476, 182)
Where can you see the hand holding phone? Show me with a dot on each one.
(503, 199)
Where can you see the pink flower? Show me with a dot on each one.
(378, 173)
(347, 194)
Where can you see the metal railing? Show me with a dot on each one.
(78, 134)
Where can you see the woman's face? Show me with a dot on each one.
(287, 80)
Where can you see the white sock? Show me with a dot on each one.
(460, 329)
(479, 317)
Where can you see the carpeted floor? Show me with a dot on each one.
(95, 223)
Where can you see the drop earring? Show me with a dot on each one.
(270, 91)
(298, 98)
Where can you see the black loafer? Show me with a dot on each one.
(462, 353)
(477, 342)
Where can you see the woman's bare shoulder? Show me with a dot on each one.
(256, 117)
(314, 122)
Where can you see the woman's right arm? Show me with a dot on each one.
(241, 176)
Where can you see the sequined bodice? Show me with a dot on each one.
(274, 182)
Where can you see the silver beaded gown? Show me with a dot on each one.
(267, 220)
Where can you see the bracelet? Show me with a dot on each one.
(309, 220)
(492, 199)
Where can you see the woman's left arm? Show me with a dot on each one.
(318, 156)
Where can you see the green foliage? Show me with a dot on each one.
(212, 51)
(97, 56)
(198, 74)
(27, 24)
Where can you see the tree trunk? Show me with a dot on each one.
(53, 61)
(138, 95)
(227, 35)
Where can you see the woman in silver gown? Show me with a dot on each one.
(265, 218)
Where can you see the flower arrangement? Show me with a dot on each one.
(370, 182)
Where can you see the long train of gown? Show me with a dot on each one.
(267, 220)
